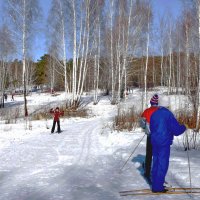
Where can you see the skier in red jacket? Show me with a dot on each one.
(164, 126)
(56, 119)
(144, 123)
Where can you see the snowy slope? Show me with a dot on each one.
(84, 161)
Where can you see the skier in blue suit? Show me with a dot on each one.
(163, 127)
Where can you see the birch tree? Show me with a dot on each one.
(23, 15)
(126, 46)
(161, 41)
(111, 52)
(97, 47)
(57, 33)
(74, 87)
(86, 38)
(187, 27)
(198, 92)
(170, 57)
(147, 55)
(7, 49)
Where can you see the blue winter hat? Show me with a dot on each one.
(154, 100)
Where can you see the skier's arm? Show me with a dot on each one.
(51, 111)
(144, 125)
(142, 122)
(175, 127)
(62, 113)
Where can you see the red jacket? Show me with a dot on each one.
(56, 114)
(148, 112)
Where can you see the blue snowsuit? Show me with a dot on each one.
(163, 127)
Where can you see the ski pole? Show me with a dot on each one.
(188, 161)
(131, 153)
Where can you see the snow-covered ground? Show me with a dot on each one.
(84, 161)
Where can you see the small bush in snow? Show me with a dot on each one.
(10, 115)
(187, 118)
(41, 114)
(190, 140)
(76, 108)
(76, 104)
(126, 119)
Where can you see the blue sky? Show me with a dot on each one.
(0, 11)
(159, 7)
(162, 6)
(40, 41)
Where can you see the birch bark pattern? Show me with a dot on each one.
(85, 65)
(24, 57)
(146, 64)
(111, 53)
(74, 96)
(170, 59)
(126, 46)
(64, 48)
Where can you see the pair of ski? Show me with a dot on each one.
(173, 190)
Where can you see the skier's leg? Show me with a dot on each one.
(162, 167)
(53, 127)
(154, 167)
(58, 126)
(148, 158)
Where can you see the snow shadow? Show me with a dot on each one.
(13, 104)
(58, 182)
(139, 160)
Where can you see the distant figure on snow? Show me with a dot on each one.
(5, 96)
(56, 119)
(144, 123)
(12, 96)
(52, 91)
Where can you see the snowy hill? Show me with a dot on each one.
(84, 161)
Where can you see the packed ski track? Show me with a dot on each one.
(83, 162)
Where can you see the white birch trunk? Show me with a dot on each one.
(178, 70)
(119, 61)
(170, 61)
(24, 57)
(52, 73)
(161, 68)
(198, 93)
(153, 71)
(95, 79)
(99, 56)
(111, 53)
(80, 41)
(187, 59)
(119, 72)
(126, 46)
(64, 49)
(86, 51)
(146, 68)
(81, 61)
(74, 96)
(97, 63)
